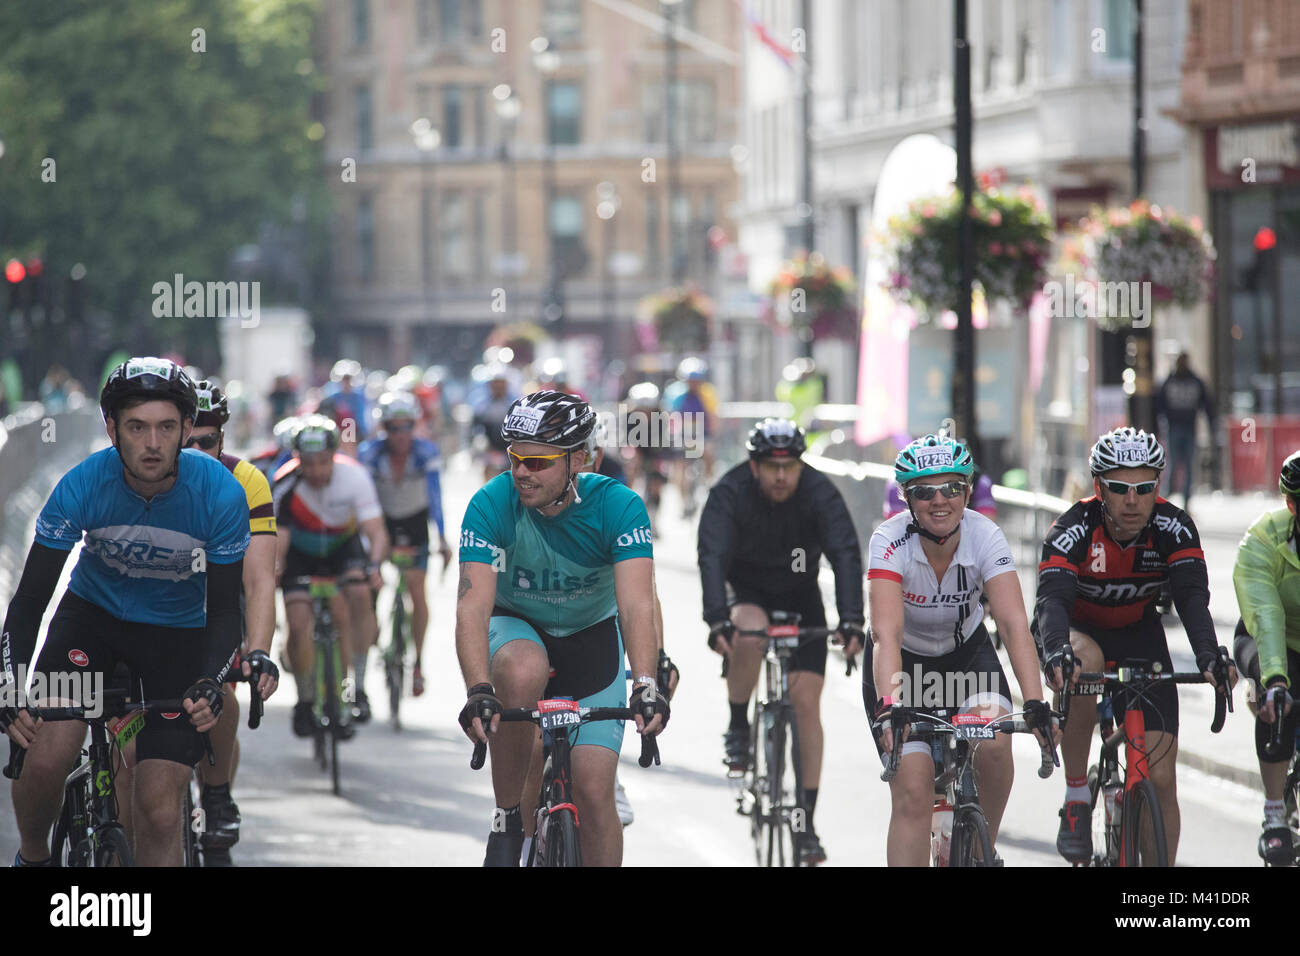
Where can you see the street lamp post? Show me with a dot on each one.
(427, 140)
(547, 62)
(507, 109)
(1142, 400)
(676, 261)
(963, 377)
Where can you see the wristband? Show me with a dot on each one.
(641, 681)
(480, 689)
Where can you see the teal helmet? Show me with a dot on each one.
(933, 455)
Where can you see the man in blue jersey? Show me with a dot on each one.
(156, 587)
(405, 472)
(556, 570)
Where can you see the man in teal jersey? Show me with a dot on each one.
(556, 572)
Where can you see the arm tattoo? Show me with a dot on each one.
(464, 584)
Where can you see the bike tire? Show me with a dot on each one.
(971, 844)
(756, 784)
(1144, 827)
(190, 839)
(112, 847)
(563, 847)
(333, 710)
(781, 795)
(396, 664)
(1291, 804)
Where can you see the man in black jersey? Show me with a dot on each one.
(761, 537)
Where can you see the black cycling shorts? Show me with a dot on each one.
(1246, 653)
(411, 532)
(1144, 641)
(300, 568)
(967, 676)
(163, 661)
(811, 655)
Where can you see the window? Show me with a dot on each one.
(1119, 30)
(366, 239)
(566, 234)
(453, 235)
(1060, 35)
(451, 116)
(562, 20)
(476, 110)
(360, 23)
(365, 121)
(451, 19)
(424, 19)
(564, 114)
(695, 112)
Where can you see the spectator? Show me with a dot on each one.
(1181, 396)
(282, 397)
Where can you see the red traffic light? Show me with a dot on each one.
(14, 271)
(1265, 239)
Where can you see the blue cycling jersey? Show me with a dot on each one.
(143, 560)
(417, 488)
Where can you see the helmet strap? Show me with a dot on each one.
(915, 527)
(568, 484)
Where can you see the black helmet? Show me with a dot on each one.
(148, 378)
(776, 437)
(1288, 482)
(212, 405)
(549, 418)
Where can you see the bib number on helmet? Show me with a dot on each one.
(135, 369)
(933, 458)
(526, 420)
(1131, 453)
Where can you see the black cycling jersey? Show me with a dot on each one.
(757, 544)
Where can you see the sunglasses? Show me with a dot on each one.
(1122, 487)
(950, 489)
(207, 442)
(399, 427)
(535, 462)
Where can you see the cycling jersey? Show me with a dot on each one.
(753, 542)
(344, 407)
(143, 561)
(322, 520)
(416, 489)
(558, 571)
(1266, 578)
(261, 510)
(1088, 581)
(939, 616)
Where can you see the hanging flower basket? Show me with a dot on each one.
(1143, 243)
(1011, 236)
(522, 337)
(808, 294)
(679, 317)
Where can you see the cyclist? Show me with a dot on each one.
(692, 394)
(272, 458)
(927, 572)
(156, 587)
(405, 470)
(488, 415)
(556, 570)
(344, 400)
(324, 503)
(645, 437)
(1267, 581)
(1103, 565)
(762, 533)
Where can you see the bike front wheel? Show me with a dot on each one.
(782, 745)
(562, 843)
(112, 848)
(1144, 827)
(971, 844)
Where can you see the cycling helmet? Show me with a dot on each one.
(596, 439)
(776, 438)
(933, 455)
(316, 433)
(148, 378)
(1288, 481)
(213, 407)
(345, 368)
(549, 418)
(1126, 447)
(395, 405)
(643, 395)
(693, 370)
(283, 432)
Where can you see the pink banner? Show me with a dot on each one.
(882, 370)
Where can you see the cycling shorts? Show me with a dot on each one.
(811, 655)
(1143, 641)
(163, 661)
(411, 532)
(349, 561)
(971, 676)
(1246, 654)
(586, 666)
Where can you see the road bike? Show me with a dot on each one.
(1131, 830)
(556, 836)
(332, 707)
(959, 831)
(87, 833)
(1291, 789)
(399, 633)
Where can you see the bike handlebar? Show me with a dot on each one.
(255, 702)
(1140, 676)
(924, 727)
(805, 635)
(649, 745)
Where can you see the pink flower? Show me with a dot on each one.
(995, 248)
(995, 217)
(928, 210)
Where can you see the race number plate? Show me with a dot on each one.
(972, 727)
(1089, 688)
(558, 713)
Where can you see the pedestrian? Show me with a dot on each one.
(1182, 395)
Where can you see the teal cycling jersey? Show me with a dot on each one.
(557, 572)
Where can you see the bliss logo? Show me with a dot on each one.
(550, 579)
(639, 536)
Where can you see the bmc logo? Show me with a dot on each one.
(80, 658)
(639, 536)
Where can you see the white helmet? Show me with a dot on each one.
(1126, 447)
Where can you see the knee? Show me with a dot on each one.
(594, 793)
(519, 672)
(1086, 650)
(161, 814)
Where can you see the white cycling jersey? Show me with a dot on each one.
(938, 616)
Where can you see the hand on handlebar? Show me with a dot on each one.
(482, 707)
(17, 722)
(262, 672)
(853, 639)
(647, 701)
(202, 702)
(721, 633)
(1062, 666)
(1276, 696)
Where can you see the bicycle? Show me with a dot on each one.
(771, 797)
(959, 831)
(399, 633)
(195, 822)
(1131, 831)
(332, 708)
(556, 839)
(87, 833)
